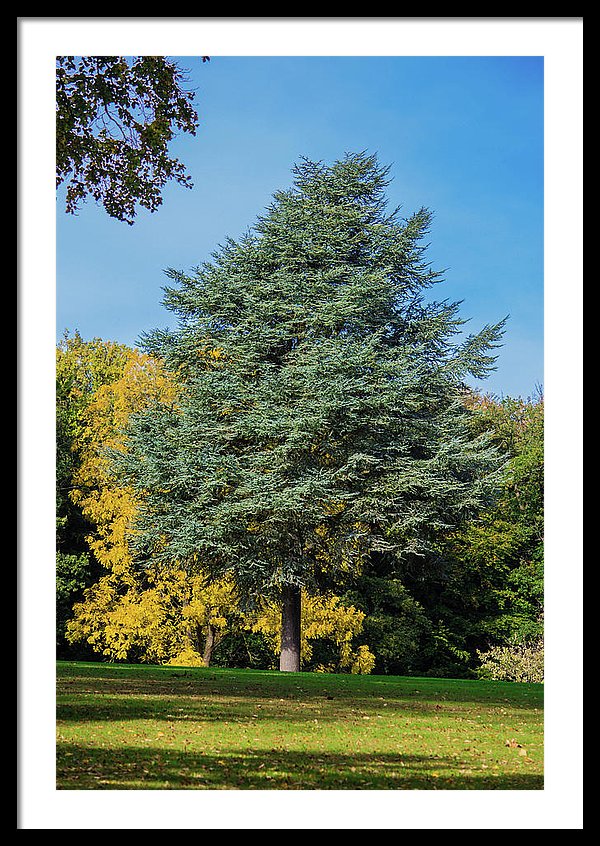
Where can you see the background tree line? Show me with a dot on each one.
(477, 593)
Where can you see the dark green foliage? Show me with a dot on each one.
(241, 648)
(71, 527)
(73, 574)
(396, 627)
(115, 118)
(486, 587)
(323, 415)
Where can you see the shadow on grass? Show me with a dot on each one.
(204, 708)
(131, 768)
(203, 697)
(172, 681)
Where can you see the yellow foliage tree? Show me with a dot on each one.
(206, 616)
(110, 507)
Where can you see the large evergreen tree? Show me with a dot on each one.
(321, 417)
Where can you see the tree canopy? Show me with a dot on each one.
(115, 117)
(322, 413)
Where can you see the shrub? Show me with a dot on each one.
(363, 661)
(519, 662)
(187, 657)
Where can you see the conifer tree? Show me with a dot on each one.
(321, 416)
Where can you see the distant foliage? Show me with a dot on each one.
(123, 623)
(82, 368)
(519, 663)
(108, 506)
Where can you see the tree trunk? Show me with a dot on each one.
(289, 660)
(209, 645)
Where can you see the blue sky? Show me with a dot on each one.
(463, 135)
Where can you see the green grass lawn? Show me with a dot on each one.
(130, 727)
